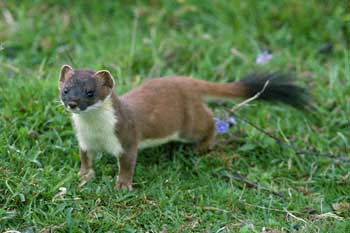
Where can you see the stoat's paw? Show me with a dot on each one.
(123, 184)
(86, 176)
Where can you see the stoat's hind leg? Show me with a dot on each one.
(201, 129)
(207, 142)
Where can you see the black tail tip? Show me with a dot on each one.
(276, 86)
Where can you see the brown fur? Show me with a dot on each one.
(163, 106)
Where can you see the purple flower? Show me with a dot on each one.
(263, 58)
(232, 121)
(221, 126)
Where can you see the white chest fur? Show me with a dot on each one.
(159, 141)
(95, 129)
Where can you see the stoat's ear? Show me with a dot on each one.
(105, 77)
(66, 70)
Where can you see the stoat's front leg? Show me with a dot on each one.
(86, 172)
(127, 163)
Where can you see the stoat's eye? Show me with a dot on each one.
(90, 94)
(65, 90)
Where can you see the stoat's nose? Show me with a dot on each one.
(72, 104)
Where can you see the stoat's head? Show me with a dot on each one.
(83, 90)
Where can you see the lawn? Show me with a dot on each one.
(249, 183)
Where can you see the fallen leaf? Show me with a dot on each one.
(33, 134)
(63, 191)
(328, 215)
(304, 190)
(342, 208)
(268, 230)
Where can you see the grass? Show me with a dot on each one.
(176, 190)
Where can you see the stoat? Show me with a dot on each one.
(156, 112)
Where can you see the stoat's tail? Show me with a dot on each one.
(273, 87)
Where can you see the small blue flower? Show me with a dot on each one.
(232, 121)
(263, 58)
(221, 126)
